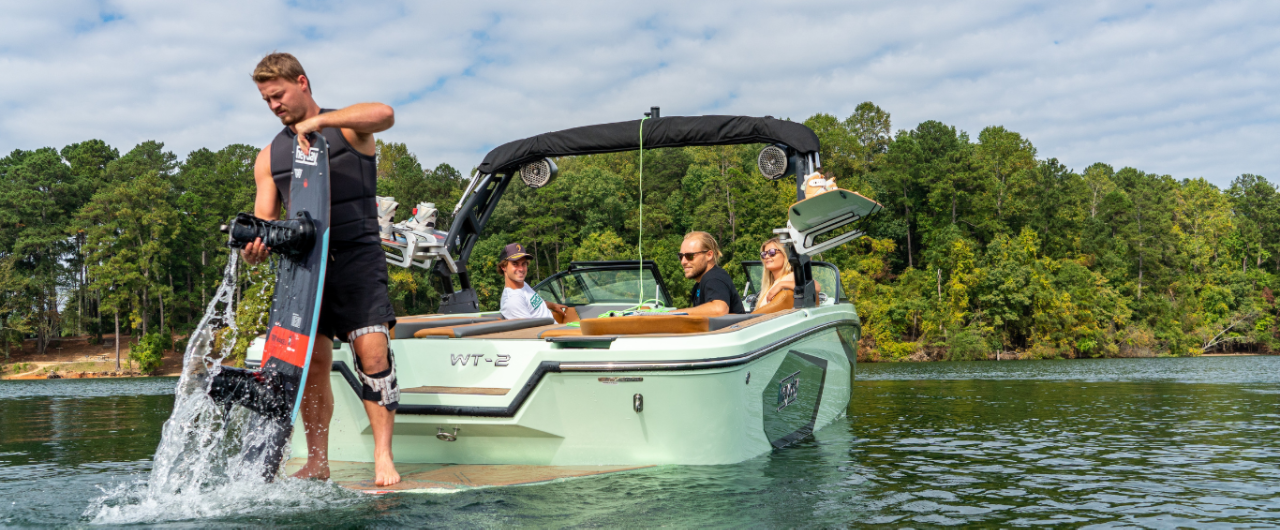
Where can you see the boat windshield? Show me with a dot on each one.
(602, 285)
(825, 274)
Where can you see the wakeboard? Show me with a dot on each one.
(274, 391)
(816, 210)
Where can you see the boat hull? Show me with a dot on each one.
(715, 398)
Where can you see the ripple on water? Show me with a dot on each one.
(946, 451)
(87, 388)
(1232, 370)
(134, 502)
(1144, 453)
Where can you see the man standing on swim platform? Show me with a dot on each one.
(355, 305)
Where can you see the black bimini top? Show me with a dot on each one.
(673, 131)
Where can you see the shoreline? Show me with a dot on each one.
(1238, 355)
(77, 358)
(1014, 358)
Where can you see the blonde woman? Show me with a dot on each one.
(777, 271)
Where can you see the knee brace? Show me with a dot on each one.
(380, 388)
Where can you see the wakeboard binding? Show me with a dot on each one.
(386, 211)
(292, 238)
(414, 241)
(422, 222)
(257, 391)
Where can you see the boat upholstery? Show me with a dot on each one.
(570, 315)
(408, 325)
(541, 333)
(785, 299)
(469, 330)
(645, 324)
(560, 331)
(715, 323)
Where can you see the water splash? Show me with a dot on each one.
(202, 467)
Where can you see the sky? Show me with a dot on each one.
(1179, 88)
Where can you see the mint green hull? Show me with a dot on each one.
(715, 398)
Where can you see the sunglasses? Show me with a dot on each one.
(765, 254)
(688, 256)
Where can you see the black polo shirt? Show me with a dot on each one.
(717, 285)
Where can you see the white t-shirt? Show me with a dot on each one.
(523, 303)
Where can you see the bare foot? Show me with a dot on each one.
(313, 471)
(384, 472)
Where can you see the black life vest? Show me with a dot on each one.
(353, 185)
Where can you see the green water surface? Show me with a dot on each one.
(1158, 443)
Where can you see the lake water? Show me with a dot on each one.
(1157, 443)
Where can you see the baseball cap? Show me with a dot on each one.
(513, 252)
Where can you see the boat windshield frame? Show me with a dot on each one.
(579, 269)
(751, 284)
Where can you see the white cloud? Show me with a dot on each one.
(1183, 88)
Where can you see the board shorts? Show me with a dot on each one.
(355, 291)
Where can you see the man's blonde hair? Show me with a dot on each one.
(278, 65)
(708, 243)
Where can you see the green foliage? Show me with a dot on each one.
(132, 228)
(148, 352)
(14, 306)
(983, 248)
(967, 345)
(39, 195)
(251, 314)
(599, 246)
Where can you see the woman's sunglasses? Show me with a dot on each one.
(765, 254)
(688, 256)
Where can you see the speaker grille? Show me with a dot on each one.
(538, 174)
(772, 162)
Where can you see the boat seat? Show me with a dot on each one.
(561, 331)
(715, 323)
(407, 327)
(482, 328)
(645, 324)
(570, 315)
(785, 299)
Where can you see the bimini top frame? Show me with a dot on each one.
(502, 164)
(673, 131)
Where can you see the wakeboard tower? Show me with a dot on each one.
(274, 391)
(810, 220)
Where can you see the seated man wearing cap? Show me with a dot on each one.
(519, 300)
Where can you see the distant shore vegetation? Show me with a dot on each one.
(985, 247)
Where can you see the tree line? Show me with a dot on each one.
(984, 247)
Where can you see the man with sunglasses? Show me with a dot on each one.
(713, 295)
